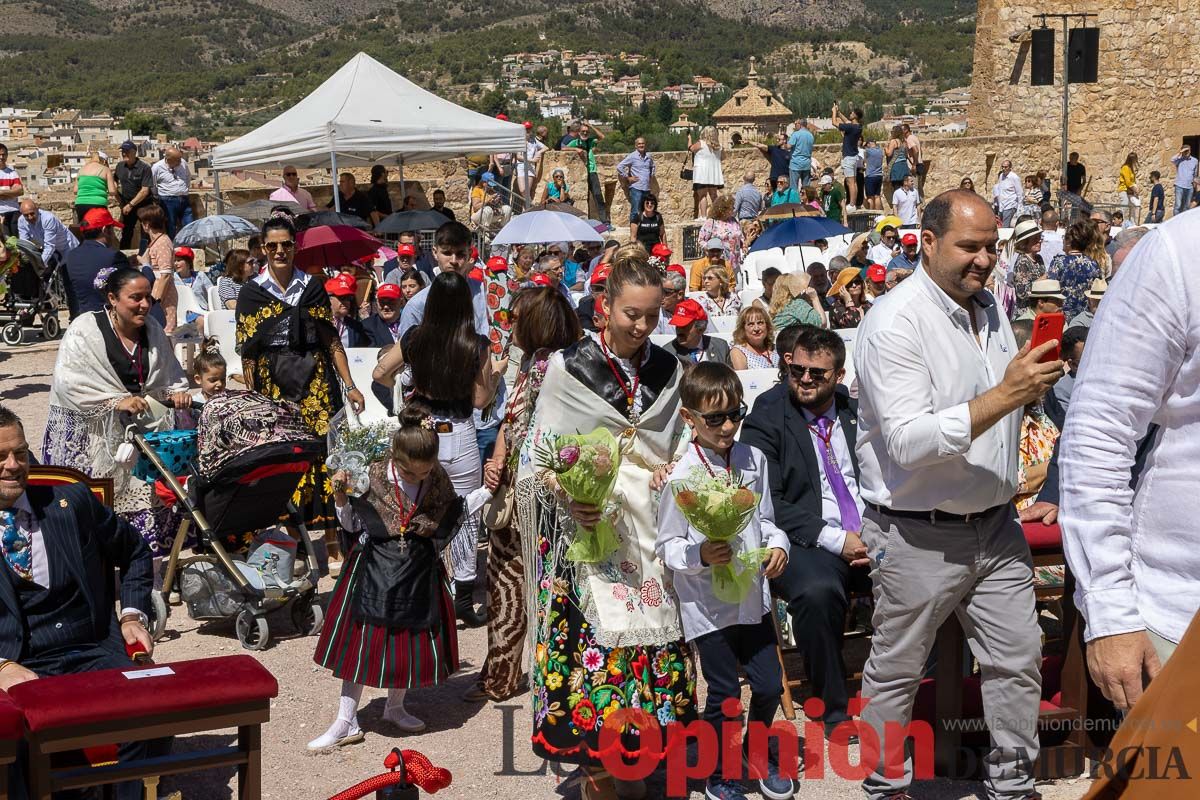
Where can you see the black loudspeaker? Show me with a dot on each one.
(1083, 55)
(1041, 61)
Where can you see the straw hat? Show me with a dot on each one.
(1097, 289)
(843, 280)
(1045, 288)
(857, 242)
(1026, 230)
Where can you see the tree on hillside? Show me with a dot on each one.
(664, 110)
(142, 124)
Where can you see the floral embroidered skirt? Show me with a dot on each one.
(578, 683)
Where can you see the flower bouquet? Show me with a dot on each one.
(356, 449)
(720, 507)
(586, 467)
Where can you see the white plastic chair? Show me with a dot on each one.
(848, 336)
(214, 299)
(222, 326)
(755, 382)
(362, 362)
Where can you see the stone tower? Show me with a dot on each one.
(752, 113)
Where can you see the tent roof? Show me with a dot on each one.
(367, 113)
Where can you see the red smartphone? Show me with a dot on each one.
(1047, 328)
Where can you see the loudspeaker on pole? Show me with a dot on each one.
(1083, 55)
(1041, 57)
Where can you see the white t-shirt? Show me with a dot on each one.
(905, 203)
(8, 179)
(529, 165)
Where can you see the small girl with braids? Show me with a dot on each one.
(390, 622)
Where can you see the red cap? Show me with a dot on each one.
(528, 125)
(342, 285)
(877, 273)
(476, 274)
(677, 269)
(97, 218)
(185, 252)
(388, 291)
(497, 264)
(474, 253)
(601, 273)
(539, 279)
(502, 117)
(660, 250)
(687, 312)
(406, 249)
(908, 239)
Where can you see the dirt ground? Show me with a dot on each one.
(484, 745)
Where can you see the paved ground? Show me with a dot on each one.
(484, 745)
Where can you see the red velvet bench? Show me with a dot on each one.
(96, 709)
(12, 729)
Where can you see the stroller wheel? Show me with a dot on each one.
(307, 616)
(158, 617)
(51, 327)
(12, 334)
(252, 631)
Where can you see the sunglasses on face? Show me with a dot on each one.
(271, 247)
(290, 175)
(798, 371)
(717, 419)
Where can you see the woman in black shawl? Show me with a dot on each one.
(291, 350)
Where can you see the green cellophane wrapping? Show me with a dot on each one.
(720, 507)
(586, 466)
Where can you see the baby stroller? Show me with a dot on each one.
(251, 454)
(33, 290)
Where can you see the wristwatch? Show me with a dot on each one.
(133, 615)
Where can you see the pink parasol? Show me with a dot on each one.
(332, 246)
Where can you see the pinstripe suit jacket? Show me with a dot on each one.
(88, 539)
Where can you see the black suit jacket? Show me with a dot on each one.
(91, 540)
(777, 427)
(358, 333)
(80, 268)
(377, 331)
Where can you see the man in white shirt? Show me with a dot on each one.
(806, 430)
(885, 251)
(10, 191)
(1007, 193)
(171, 183)
(36, 225)
(938, 463)
(292, 192)
(1136, 555)
(1052, 237)
(906, 202)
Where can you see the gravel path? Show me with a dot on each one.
(485, 745)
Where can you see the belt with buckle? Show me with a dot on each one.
(442, 426)
(935, 515)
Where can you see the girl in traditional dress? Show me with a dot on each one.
(391, 619)
(111, 362)
(543, 323)
(608, 634)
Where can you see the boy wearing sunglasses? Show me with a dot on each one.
(724, 634)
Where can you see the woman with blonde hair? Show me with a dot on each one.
(722, 225)
(718, 299)
(794, 302)
(1127, 187)
(707, 176)
(754, 341)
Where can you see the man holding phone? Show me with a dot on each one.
(938, 465)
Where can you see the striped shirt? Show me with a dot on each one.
(9, 179)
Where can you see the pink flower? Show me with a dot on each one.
(568, 455)
(592, 659)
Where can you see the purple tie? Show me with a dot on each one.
(847, 508)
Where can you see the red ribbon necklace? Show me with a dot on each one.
(629, 390)
(705, 463)
(405, 516)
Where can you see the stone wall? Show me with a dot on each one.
(1145, 101)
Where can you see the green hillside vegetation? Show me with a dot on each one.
(217, 66)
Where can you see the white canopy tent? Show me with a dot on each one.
(365, 113)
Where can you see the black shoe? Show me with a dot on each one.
(464, 605)
(830, 727)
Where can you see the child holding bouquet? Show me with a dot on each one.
(390, 621)
(721, 485)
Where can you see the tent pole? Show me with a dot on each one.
(403, 192)
(217, 191)
(337, 196)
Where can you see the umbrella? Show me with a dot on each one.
(260, 210)
(797, 230)
(318, 219)
(785, 210)
(541, 227)
(214, 230)
(564, 208)
(405, 221)
(333, 245)
(891, 219)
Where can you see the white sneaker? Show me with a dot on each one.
(403, 720)
(850, 208)
(340, 733)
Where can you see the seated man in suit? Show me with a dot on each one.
(692, 345)
(807, 431)
(383, 327)
(56, 591)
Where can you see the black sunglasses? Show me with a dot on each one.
(271, 247)
(717, 419)
(818, 374)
